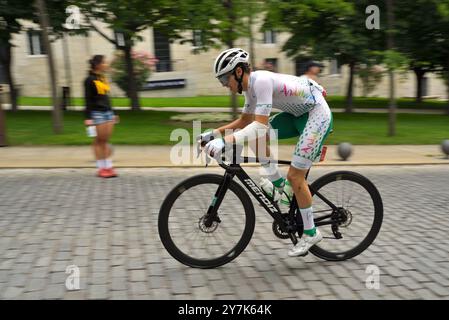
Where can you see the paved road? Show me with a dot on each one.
(50, 219)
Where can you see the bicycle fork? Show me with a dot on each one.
(212, 211)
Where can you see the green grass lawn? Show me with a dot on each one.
(154, 127)
(201, 101)
(224, 101)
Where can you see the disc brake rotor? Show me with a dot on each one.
(348, 218)
(204, 228)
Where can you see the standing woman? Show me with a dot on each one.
(99, 113)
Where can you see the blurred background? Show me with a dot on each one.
(372, 54)
(383, 64)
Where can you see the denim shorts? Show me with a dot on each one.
(100, 117)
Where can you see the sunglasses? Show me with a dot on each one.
(224, 79)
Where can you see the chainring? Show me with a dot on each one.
(278, 232)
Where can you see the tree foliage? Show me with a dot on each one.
(328, 29)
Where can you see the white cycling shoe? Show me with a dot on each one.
(304, 244)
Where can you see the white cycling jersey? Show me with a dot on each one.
(301, 99)
(267, 90)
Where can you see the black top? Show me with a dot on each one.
(96, 90)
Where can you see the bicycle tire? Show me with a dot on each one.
(164, 213)
(377, 221)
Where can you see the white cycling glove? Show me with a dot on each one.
(206, 136)
(214, 147)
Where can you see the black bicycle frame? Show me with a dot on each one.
(234, 169)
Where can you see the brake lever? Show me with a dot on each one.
(208, 160)
(199, 147)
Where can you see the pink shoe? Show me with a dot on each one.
(103, 173)
(112, 173)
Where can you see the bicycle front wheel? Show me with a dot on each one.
(182, 227)
(357, 220)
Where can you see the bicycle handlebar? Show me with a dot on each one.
(202, 144)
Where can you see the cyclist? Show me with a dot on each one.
(98, 113)
(305, 114)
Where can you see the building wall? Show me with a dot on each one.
(31, 72)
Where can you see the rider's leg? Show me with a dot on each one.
(272, 182)
(297, 179)
(309, 146)
(282, 126)
(307, 150)
(269, 169)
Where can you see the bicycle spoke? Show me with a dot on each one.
(208, 243)
(351, 196)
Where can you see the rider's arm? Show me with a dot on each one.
(262, 138)
(260, 123)
(243, 121)
(263, 88)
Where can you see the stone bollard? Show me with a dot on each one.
(344, 150)
(445, 147)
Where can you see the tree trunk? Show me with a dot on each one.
(230, 43)
(251, 38)
(447, 88)
(392, 107)
(390, 46)
(6, 59)
(447, 84)
(132, 89)
(3, 139)
(349, 94)
(13, 96)
(419, 83)
(68, 68)
(44, 22)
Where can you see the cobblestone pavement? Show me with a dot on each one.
(50, 219)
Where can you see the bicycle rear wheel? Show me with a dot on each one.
(360, 214)
(185, 235)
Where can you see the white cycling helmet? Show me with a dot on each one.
(228, 60)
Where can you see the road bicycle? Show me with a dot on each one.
(208, 220)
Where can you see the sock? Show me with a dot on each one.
(307, 219)
(279, 183)
(100, 164)
(287, 193)
(108, 163)
(310, 232)
(271, 171)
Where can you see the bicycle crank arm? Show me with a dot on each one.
(293, 238)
